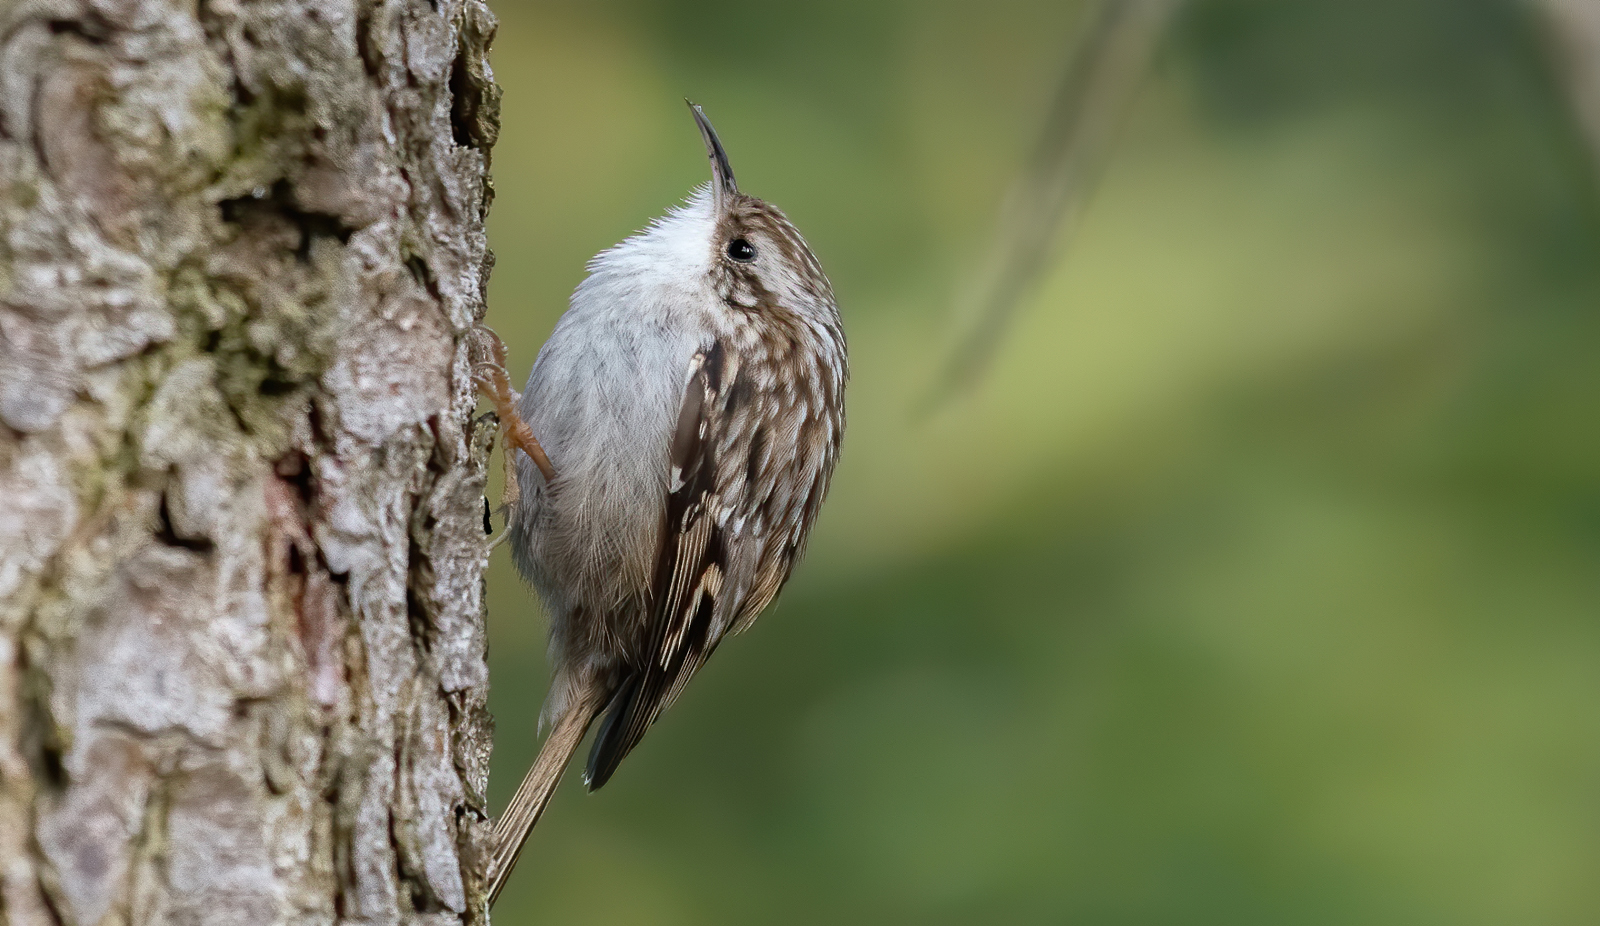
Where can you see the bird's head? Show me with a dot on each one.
(758, 259)
(737, 251)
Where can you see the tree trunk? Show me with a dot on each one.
(242, 674)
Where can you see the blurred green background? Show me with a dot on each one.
(1259, 580)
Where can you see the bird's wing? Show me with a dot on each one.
(750, 463)
(690, 569)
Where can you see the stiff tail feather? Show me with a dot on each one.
(513, 827)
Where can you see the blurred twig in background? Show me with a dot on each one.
(1094, 92)
(1574, 31)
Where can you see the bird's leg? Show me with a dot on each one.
(499, 539)
(495, 385)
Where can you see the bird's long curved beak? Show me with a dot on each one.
(723, 186)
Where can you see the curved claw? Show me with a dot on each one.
(495, 385)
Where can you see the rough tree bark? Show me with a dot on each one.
(242, 674)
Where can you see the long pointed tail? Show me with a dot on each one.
(513, 827)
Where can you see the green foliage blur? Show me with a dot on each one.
(1258, 582)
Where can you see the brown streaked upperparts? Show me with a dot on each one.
(691, 401)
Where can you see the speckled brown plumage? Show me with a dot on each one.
(751, 457)
(691, 403)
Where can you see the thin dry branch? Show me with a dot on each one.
(1573, 28)
(1094, 92)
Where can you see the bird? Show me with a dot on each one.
(688, 410)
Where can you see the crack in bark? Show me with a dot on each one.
(277, 202)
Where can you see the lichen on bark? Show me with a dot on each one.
(242, 673)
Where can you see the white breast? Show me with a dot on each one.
(603, 398)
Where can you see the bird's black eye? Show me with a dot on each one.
(741, 250)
